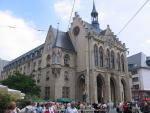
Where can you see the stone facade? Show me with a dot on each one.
(2, 64)
(85, 63)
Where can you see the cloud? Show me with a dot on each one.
(17, 36)
(148, 41)
(116, 14)
(63, 8)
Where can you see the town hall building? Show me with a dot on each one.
(86, 63)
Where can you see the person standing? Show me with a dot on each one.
(12, 108)
(125, 107)
(146, 108)
(30, 108)
(39, 108)
(72, 109)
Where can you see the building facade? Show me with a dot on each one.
(85, 63)
(139, 67)
(2, 64)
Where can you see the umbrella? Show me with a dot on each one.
(38, 100)
(64, 100)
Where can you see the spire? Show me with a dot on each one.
(94, 12)
(94, 16)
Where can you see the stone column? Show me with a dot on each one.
(128, 89)
(94, 88)
(107, 88)
(57, 88)
(87, 77)
(118, 86)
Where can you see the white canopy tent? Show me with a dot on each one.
(14, 93)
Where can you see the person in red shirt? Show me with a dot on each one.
(47, 110)
(125, 107)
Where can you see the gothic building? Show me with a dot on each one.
(86, 63)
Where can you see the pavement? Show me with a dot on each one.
(112, 111)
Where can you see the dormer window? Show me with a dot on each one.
(55, 59)
(32, 55)
(66, 60)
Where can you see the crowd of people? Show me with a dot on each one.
(133, 107)
(77, 107)
(55, 107)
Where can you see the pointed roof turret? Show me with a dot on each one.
(94, 13)
(94, 17)
(62, 40)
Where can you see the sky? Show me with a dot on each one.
(24, 23)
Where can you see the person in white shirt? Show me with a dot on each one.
(30, 108)
(72, 109)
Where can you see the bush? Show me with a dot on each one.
(5, 99)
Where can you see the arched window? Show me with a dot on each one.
(55, 58)
(118, 61)
(58, 59)
(101, 56)
(66, 60)
(122, 63)
(96, 55)
(108, 58)
(112, 60)
(48, 60)
(66, 76)
(47, 75)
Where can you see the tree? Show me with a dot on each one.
(22, 82)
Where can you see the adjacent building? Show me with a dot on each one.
(86, 63)
(2, 64)
(139, 66)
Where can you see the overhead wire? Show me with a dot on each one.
(15, 27)
(128, 22)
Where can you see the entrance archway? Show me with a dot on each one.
(113, 90)
(123, 90)
(100, 89)
(82, 88)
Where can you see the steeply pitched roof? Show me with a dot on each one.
(34, 53)
(62, 40)
(93, 29)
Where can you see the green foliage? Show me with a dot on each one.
(23, 103)
(5, 99)
(22, 82)
(28, 98)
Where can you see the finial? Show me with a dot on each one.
(94, 5)
(108, 31)
(108, 26)
(76, 13)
